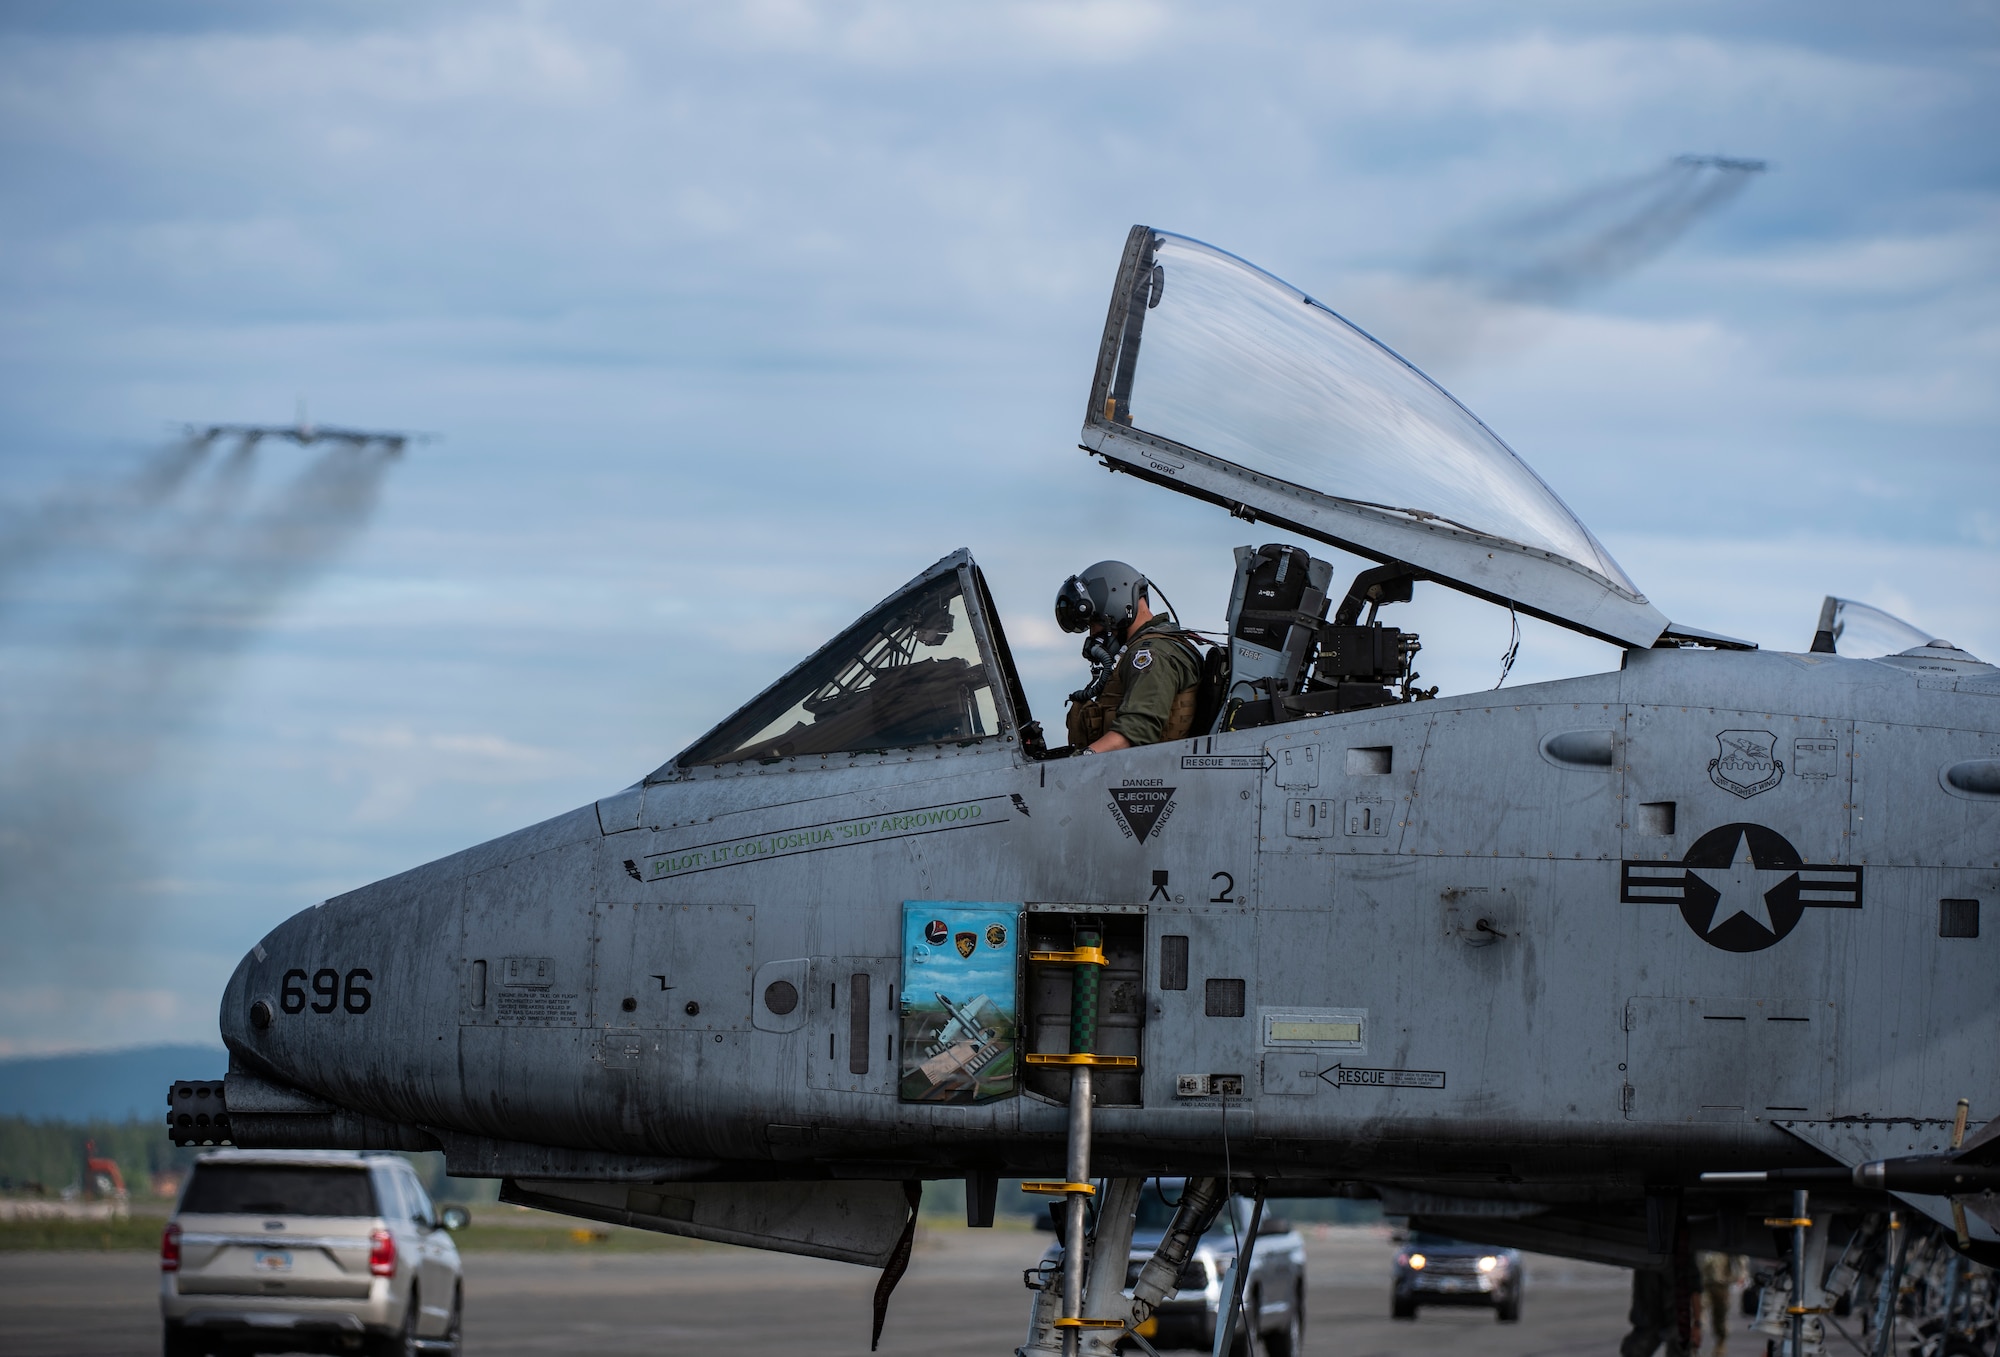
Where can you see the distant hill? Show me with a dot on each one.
(103, 1084)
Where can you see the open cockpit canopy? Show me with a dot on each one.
(1850, 628)
(1222, 382)
(1867, 632)
(926, 666)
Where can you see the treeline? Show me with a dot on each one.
(47, 1156)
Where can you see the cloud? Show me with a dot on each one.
(45, 1019)
(1614, 75)
(394, 766)
(1908, 267)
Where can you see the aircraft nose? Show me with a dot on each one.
(354, 1001)
(297, 1003)
(258, 995)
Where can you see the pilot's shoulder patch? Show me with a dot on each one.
(1142, 658)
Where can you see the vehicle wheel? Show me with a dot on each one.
(404, 1343)
(1402, 1309)
(178, 1342)
(1291, 1340)
(1508, 1311)
(452, 1334)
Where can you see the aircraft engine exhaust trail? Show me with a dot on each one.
(1555, 253)
(75, 514)
(141, 597)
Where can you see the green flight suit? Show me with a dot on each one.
(1151, 694)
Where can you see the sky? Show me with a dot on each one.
(731, 319)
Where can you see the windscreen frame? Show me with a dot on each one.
(1003, 682)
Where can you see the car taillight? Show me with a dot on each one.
(382, 1253)
(170, 1248)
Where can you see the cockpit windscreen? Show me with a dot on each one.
(909, 673)
(1231, 362)
(1868, 632)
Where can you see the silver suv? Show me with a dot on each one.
(275, 1251)
(1274, 1294)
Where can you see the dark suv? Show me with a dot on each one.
(1433, 1269)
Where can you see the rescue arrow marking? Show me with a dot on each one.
(1262, 762)
(1340, 1076)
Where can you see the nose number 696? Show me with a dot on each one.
(330, 990)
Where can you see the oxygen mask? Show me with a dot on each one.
(1099, 650)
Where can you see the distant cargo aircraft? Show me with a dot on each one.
(305, 433)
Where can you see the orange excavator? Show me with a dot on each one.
(101, 1178)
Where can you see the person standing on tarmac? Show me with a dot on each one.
(1721, 1275)
(1148, 675)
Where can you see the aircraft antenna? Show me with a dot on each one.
(1513, 647)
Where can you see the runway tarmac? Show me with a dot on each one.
(963, 1294)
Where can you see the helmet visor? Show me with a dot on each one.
(1074, 609)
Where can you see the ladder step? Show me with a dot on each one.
(1121, 1062)
(1059, 1189)
(1081, 956)
(1090, 1323)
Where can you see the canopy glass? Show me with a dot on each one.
(1869, 632)
(1249, 369)
(1225, 383)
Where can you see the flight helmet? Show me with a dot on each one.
(1108, 592)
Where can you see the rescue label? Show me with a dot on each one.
(1216, 763)
(1344, 1076)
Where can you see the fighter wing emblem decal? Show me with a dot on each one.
(1746, 762)
(1741, 887)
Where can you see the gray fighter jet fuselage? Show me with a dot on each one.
(1517, 963)
(1542, 1017)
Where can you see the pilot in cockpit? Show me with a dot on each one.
(1146, 673)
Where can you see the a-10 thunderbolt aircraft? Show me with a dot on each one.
(1523, 965)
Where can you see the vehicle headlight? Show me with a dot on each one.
(1417, 1261)
(1488, 1263)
